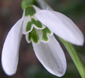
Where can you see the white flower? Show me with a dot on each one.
(38, 26)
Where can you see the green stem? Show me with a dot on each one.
(75, 57)
(43, 5)
(26, 3)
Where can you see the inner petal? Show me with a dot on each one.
(29, 13)
(33, 23)
(28, 27)
(46, 34)
(33, 29)
(37, 23)
(30, 10)
(35, 36)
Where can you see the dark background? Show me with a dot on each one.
(29, 66)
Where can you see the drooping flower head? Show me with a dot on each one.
(38, 27)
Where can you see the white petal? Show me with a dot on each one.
(10, 49)
(61, 26)
(51, 56)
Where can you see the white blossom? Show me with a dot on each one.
(38, 27)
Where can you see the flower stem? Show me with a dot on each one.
(43, 4)
(26, 3)
(75, 57)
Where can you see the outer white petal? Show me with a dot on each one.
(51, 56)
(61, 26)
(10, 49)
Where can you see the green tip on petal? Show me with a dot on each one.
(28, 27)
(46, 31)
(37, 23)
(29, 10)
(34, 36)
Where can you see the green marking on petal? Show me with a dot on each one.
(29, 36)
(29, 10)
(28, 27)
(34, 36)
(45, 32)
(37, 23)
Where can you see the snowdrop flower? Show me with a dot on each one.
(38, 27)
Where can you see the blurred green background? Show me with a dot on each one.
(29, 66)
